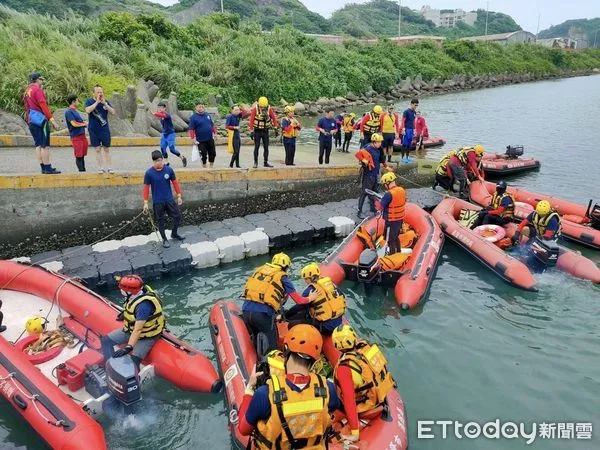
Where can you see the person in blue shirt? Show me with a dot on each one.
(76, 126)
(98, 108)
(408, 128)
(143, 321)
(339, 119)
(167, 139)
(264, 294)
(327, 128)
(158, 178)
(232, 124)
(203, 131)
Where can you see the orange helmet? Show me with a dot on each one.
(131, 284)
(304, 340)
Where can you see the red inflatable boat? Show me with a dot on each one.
(496, 165)
(578, 223)
(493, 256)
(61, 415)
(413, 280)
(429, 142)
(237, 359)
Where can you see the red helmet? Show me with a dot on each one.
(131, 284)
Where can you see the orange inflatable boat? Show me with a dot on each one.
(497, 165)
(237, 358)
(507, 267)
(578, 223)
(411, 281)
(62, 415)
(429, 142)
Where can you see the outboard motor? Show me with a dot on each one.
(368, 266)
(514, 151)
(593, 213)
(123, 380)
(545, 251)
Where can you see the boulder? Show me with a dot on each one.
(130, 102)
(341, 100)
(185, 115)
(282, 102)
(140, 122)
(596, 70)
(118, 103)
(351, 97)
(178, 122)
(448, 84)
(12, 124)
(153, 133)
(152, 91)
(153, 122)
(417, 83)
(322, 101)
(120, 127)
(299, 107)
(142, 93)
(405, 86)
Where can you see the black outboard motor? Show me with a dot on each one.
(123, 380)
(514, 151)
(368, 266)
(545, 251)
(593, 212)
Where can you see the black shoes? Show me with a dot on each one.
(177, 237)
(184, 161)
(267, 164)
(255, 164)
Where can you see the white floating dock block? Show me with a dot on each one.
(255, 242)
(155, 236)
(55, 266)
(23, 259)
(343, 225)
(231, 248)
(134, 241)
(106, 246)
(204, 254)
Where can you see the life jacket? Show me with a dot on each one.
(509, 212)
(155, 324)
(372, 123)
(276, 362)
(299, 420)
(330, 302)
(395, 209)
(363, 234)
(468, 217)
(294, 132)
(540, 223)
(348, 125)
(393, 262)
(364, 154)
(388, 122)
(262, 119)
(265, 286)
(443, 165)
(462, 154)
(371, 378)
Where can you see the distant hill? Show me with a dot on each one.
(380, 17)
(575, 29)
(84, 7)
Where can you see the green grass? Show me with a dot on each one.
(222, 54)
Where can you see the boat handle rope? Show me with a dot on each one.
(11, 377)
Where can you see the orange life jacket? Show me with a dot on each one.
(397, 206)
(364, 154)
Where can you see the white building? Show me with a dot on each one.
(448, 18)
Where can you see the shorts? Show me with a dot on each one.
(408, 137)
(100, 137)
(80, 146)
(40, 134)
(207, 151)
(388, 139)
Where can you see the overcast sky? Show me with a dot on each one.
(525, 12)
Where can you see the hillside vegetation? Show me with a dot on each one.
(219, 54)
(589, 26)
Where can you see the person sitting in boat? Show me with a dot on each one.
(501, 209)
(393, 203)
(143, 321)
(291, 411)
(326, 310)
(362, 378)
(443, 173)
(543, 222)
(264, 294)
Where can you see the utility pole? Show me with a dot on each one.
(538, 27)
(595, 36)
(399, 18)
(487, 11)
(222, 9)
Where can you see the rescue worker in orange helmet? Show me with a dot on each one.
(393, 203)
(362, 377)
(143, 321)
(291, 411)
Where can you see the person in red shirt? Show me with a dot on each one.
(421, 131)
(262, 117)
(39, 117)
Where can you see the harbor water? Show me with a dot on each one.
(477, 349)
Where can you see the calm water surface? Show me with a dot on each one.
(477, 349)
